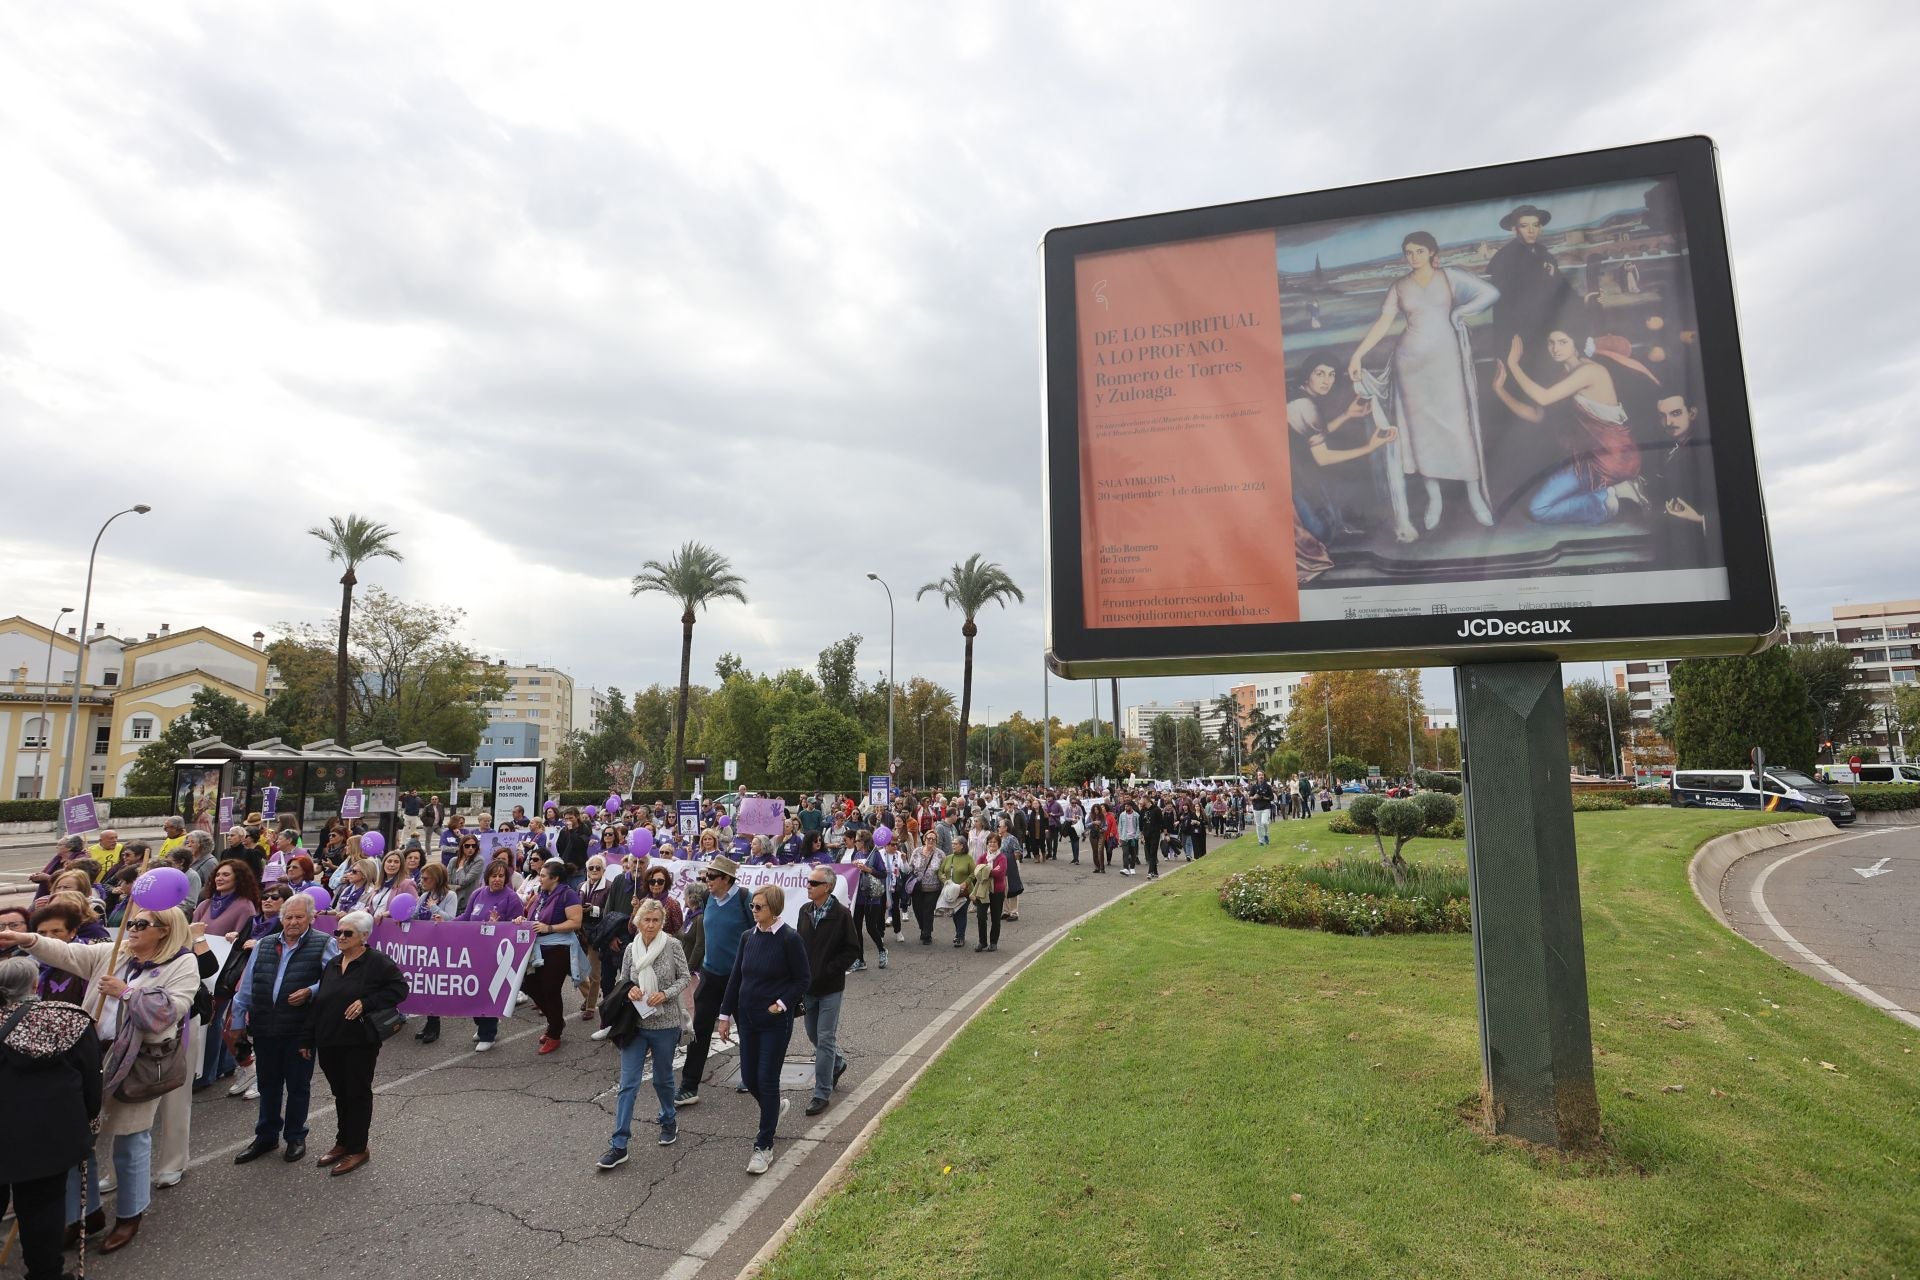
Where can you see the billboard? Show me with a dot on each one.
(516, 782)
(1497, 413)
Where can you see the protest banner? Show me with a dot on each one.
(761, 816)
(454, 968)
(78, 815)
(791, 877)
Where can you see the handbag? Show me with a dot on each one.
(386, 1021)
(157, 1069)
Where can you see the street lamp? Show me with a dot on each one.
(923, 747)
(46, 692)
(874, 577)
(80, 664)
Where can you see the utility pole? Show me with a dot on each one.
(46, 725)
(889, 590)
(1115, 699)
(1606, 694)
(80, 661)
(1046, 727)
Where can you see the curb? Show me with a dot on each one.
(836, 1173)
(1708, 868)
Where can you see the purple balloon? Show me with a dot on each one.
(593, 811)
(403, 906)
(643, 842)
(321, 898)
(161, 888)
(613, 803)
(882, 837)
(373, 844)
(725, 821)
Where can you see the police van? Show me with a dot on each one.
(1907, 773)
(1782, 789)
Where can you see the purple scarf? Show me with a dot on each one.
(218, 902)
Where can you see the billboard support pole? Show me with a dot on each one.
(1529, 958)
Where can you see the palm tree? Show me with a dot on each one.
(971, 587)
(696, 576)
(351, 541)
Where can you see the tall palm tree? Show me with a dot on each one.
(971, 587)
(352, 541)
(696, 575)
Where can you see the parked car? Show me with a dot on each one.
(1787, 789)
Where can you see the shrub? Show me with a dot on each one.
(1286, 896)
(1361, 810)
(29, 810)
(1341, 823)
(1588, 802)
(1884, 797)
(1428, 780)
(125, 807)
(1437, 809)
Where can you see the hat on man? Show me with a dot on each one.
(724, 865)
(1525, 210)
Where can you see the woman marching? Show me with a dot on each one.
(148, 994)
(556, 913)
(495, 903)
(653, 972)
(770, 976)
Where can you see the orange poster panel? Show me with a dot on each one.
(1186, 498)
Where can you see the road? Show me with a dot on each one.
(483, 1164)
(1809, 906)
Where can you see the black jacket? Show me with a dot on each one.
(374, 980)
(832, 946)
(49, 1089)
(1152, 824)
(571, 847)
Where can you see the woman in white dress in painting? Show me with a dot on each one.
(1431, 389)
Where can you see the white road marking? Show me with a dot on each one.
(1864, 992)
(1879, 868)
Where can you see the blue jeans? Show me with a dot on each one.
(278, 1060)
(960, 921)
(1262, 819)
(487, 1029)
(823, 1028)
(218, 1060)
(1565, 499)
(132, 1174)
(763, 1051)
(633, 1061)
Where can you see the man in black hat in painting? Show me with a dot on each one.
(1533, 293)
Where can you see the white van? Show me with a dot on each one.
(1787, 789)
(1908, 773)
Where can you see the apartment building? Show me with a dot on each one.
(539, 703)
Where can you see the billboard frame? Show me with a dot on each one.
(1746, 622)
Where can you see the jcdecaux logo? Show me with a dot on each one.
(1484, 628)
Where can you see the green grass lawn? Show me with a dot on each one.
(1171, 1092)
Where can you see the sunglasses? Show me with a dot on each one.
(658, 880)
(819, 884)
(345, 933)
(761, 906)
(139, 926)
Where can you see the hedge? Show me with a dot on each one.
(1884, 797)
(121, 807)
(141, 807)
(1341, 823)
(1284, 896)
(29, 810)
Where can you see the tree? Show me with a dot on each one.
(1363, 813)
(1197, 756)
(353, 542)
(817, 750)
(1368, 714)
(840, 673)
(695, 575)
(971, 587)
(1662, 721)
(1841, 707)
(413, 680)
(1590, 734)
(1086, 758)
(1232, 736)
(1263, 732)
(304, 705)
(1906, 714)
(212, 714)
(1348, 768)
(1724, 707)
(1402, 820)
(1284, 762)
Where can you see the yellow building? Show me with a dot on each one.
(133, 690)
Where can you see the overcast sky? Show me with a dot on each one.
(552, 289)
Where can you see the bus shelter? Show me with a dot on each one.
(220, 784)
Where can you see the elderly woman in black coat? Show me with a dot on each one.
(49, 1097)
(360, 992)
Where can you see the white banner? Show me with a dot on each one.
(792, 879)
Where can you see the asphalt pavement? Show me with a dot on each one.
(1841, 910)
(483, 1163)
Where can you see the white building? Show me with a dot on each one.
(542, 697)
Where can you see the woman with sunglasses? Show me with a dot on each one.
(495, 902)
(770, 976)
(359, 881)
(922, 883)
(465, 870)
(556, 912)
(357, 986)
(148, 991)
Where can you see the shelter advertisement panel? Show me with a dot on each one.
(1494, 413)
(516, 782)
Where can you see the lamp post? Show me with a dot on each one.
(1046, 728)
(1606, 697)
(874, 577)
(46, 692)
(80, 663)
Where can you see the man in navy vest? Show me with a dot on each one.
(274, 1002)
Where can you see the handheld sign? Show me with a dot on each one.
(270, 803)
(77, 814)
(226, 813)
(353, 803)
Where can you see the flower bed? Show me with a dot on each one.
(1290, 896)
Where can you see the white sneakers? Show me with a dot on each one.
(253, 1093)
(601, 1034)
(243, 1082)
(761, 1160)
(164, 1180)
(484, 1046)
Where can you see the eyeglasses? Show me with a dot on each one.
(659, 880)
(345, 933)
(139, 926)
(818, 884)
(761, 906)
(470, 845)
